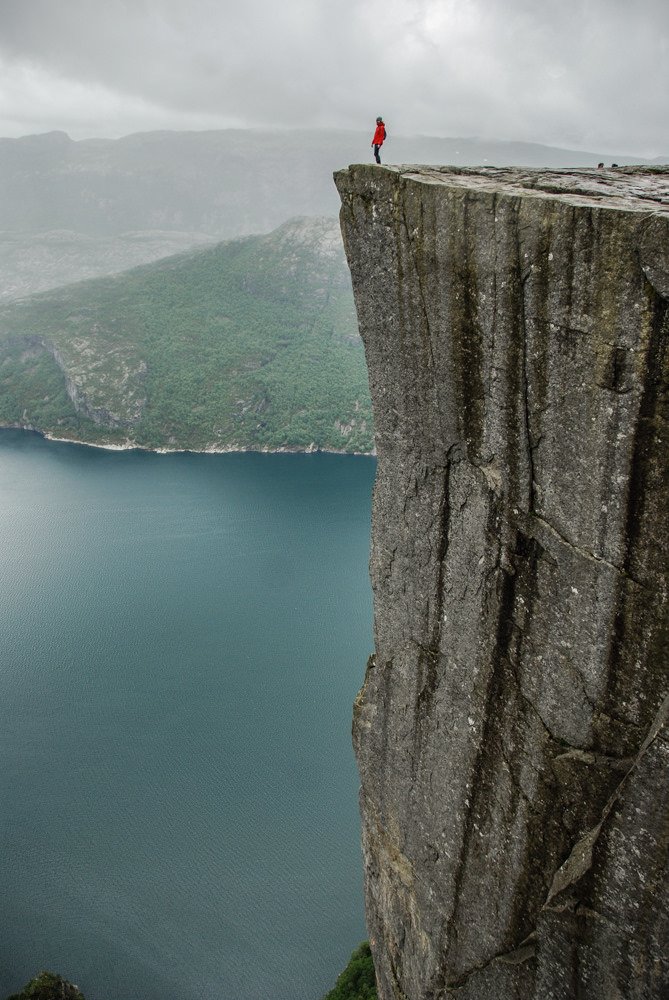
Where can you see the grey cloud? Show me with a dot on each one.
(586, 72)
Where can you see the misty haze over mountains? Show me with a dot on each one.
(71, 210)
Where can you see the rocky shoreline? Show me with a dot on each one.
(129, 445)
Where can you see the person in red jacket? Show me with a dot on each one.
(379, 136)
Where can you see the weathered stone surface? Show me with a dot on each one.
(511, 733)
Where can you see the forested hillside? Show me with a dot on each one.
(251, 344)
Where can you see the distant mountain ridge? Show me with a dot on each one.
(71, 210)
(224, 183)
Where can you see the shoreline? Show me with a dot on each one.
(209, 450)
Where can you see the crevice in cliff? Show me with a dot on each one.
(584, 553)
(429, 657)
(425, 326)
(444, 522)
(568, 875)
(524, 381)
(527, 552)
(645, 430)
(503, 688)
(581, 856)
(517, 955)
(646, 477)
(614, 376)
(506, 758)
(416, 255)
(398, 992)
(652, 253)
(467, 339)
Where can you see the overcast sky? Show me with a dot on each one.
(589, 74)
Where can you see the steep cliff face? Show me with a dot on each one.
(511, 732)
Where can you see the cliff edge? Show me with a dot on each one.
(511, 733)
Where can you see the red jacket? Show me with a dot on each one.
(379, 135)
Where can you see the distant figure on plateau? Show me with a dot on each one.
(379, 136)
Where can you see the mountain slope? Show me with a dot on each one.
(131, 197)
(251, 344)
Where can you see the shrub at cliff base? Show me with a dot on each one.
(48, 986)
(357, 981)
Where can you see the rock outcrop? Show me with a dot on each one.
(511, 733)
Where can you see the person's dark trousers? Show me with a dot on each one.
(376, 154)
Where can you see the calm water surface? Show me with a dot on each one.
(181, 638)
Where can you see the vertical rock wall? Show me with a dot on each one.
(511, 732)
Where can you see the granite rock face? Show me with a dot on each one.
(511, 733)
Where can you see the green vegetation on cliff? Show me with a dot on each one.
(48, 986)
(251, 344)
(357, 981)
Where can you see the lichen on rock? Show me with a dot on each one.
(510, 734)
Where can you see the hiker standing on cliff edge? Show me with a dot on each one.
(379, 135)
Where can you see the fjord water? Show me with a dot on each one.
(181, 638)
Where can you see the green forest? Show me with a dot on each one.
(358, 980)
(250, 344)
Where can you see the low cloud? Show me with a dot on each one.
(586, 73)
